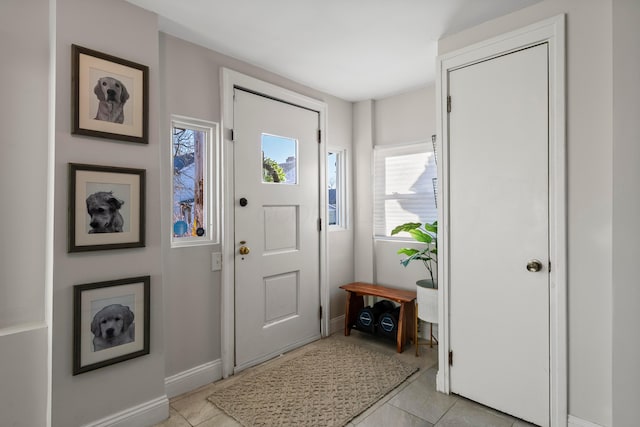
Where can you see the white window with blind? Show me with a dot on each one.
(404, 186)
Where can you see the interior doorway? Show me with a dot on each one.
(232, 81)
(503, 262)
(498, 165)
(277, 212)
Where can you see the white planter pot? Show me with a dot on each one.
(427, 299)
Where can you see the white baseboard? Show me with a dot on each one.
(193, 378)
(577, 422)
(144, 415)
(337, 324)
(440, 381)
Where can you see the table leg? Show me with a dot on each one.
(412, 318)
(354, 303)
(347, 324)
(431, 335)
(401, 328)
(415, 327)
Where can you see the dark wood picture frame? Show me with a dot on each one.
(121, 305)
(110, 96)
(106, 208)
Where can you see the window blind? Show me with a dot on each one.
(403, 186)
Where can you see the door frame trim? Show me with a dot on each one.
(551, 31)
(229, 79)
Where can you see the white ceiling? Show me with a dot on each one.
(352, 49)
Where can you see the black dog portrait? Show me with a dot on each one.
(112, 95)
(112, 326)
(104, 210)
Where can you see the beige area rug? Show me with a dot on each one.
(327, 385)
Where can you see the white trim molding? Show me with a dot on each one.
(22, 328)
(577, 422)
(211, 164)
(191, 379)
(342, 189)
(143, 415)
(229, 80)
(552, 32)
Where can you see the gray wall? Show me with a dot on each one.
(24, 117)
(363, 190)
(590, 195)
(192, 291)
(602, 107)
(626, 211)
(129, 33)
(402, 119)
(24, 114)
(340, 244)
(405, 118)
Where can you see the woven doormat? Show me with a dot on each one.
(328, 385)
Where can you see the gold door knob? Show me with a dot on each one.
(244, 250)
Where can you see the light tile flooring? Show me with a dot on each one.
(415, 403)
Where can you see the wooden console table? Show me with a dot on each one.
(355, 301)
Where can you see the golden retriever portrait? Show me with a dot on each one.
(104, 209)
(112, 326)
(112, 95)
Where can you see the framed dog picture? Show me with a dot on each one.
(106, 207)
(110, 96)
(110, 322)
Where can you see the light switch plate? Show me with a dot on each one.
(216, 261)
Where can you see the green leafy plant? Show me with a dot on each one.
(271, 171)
(423, 233)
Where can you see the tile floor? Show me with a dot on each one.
(415, 403)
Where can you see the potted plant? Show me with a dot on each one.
(423, 233)
(427, 289)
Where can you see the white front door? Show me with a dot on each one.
(277, 277)
(498, 225)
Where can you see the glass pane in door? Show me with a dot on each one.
(279, 159)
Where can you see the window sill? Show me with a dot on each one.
(193, 243)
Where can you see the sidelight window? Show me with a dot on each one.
(194, 154)
(336, 189)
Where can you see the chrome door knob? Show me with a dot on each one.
(534, 265)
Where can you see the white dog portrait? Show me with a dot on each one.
(104, 211)
(112, 95)
(112, 326)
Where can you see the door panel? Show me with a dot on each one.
(499, 221)
(277, 288)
